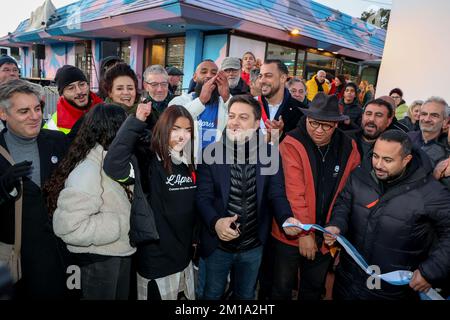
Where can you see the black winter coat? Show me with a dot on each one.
(241, 88)
(411, 126)
(44, 257)
(290, 110)
(354, 112)
(129, 147)
(213, 194)
(406, 227)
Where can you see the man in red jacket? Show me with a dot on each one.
(317, 160)
(75, 99)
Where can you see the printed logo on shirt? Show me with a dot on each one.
(206, 124)
(180, 182)
(178, 179)
(336, 171)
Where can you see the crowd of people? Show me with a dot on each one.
(166, 194)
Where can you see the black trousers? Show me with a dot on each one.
(106, 280)
(287, 263)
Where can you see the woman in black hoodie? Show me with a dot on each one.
(162, 214)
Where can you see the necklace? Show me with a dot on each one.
(322, 154)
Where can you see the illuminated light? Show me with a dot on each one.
(320, 49)
(295, 32)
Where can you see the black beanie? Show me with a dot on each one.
(66, 75)
(7, 59)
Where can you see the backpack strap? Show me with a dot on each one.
(17, 273)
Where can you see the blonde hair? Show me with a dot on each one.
(411, 107)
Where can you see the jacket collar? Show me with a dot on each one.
(68, 114)
(283, 105)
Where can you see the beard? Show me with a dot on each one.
(374, 135)
(232, 83)
(74, 104)
(214, 95)
(273, 90)
(429, 127)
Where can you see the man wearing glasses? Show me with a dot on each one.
(156, 85)
(317, 160)
(75, 100)
(232, 68)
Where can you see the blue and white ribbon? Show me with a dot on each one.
(398, 277)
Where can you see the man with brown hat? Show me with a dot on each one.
(317, 160)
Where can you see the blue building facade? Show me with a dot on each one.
(182, 33)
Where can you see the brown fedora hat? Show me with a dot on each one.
(325, 108)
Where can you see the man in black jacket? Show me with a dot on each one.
(279, 110)
(398, 217)
(156, 85)
(232, 68)
(36, 153)
(431, 138)
(350, 107)
(377, 117)
(237, 195)
(395, 124)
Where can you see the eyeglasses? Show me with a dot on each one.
(155, 85)
(325, 126)
(82, 85)
(231, 70)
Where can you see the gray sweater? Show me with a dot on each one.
(22, 149)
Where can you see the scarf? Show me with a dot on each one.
(68, 114)
(319, 85)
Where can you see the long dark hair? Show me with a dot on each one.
(99, 126)
(161, 135)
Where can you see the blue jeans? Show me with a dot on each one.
(201, 278)
(245, 266)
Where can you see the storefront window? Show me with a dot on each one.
(83, 57)
(370, 74)
(175, 49)
(350, 70)
(285, 54)
(300, 63)
(165, 52)
(316, 62)
(125, 48)
(155, 52)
